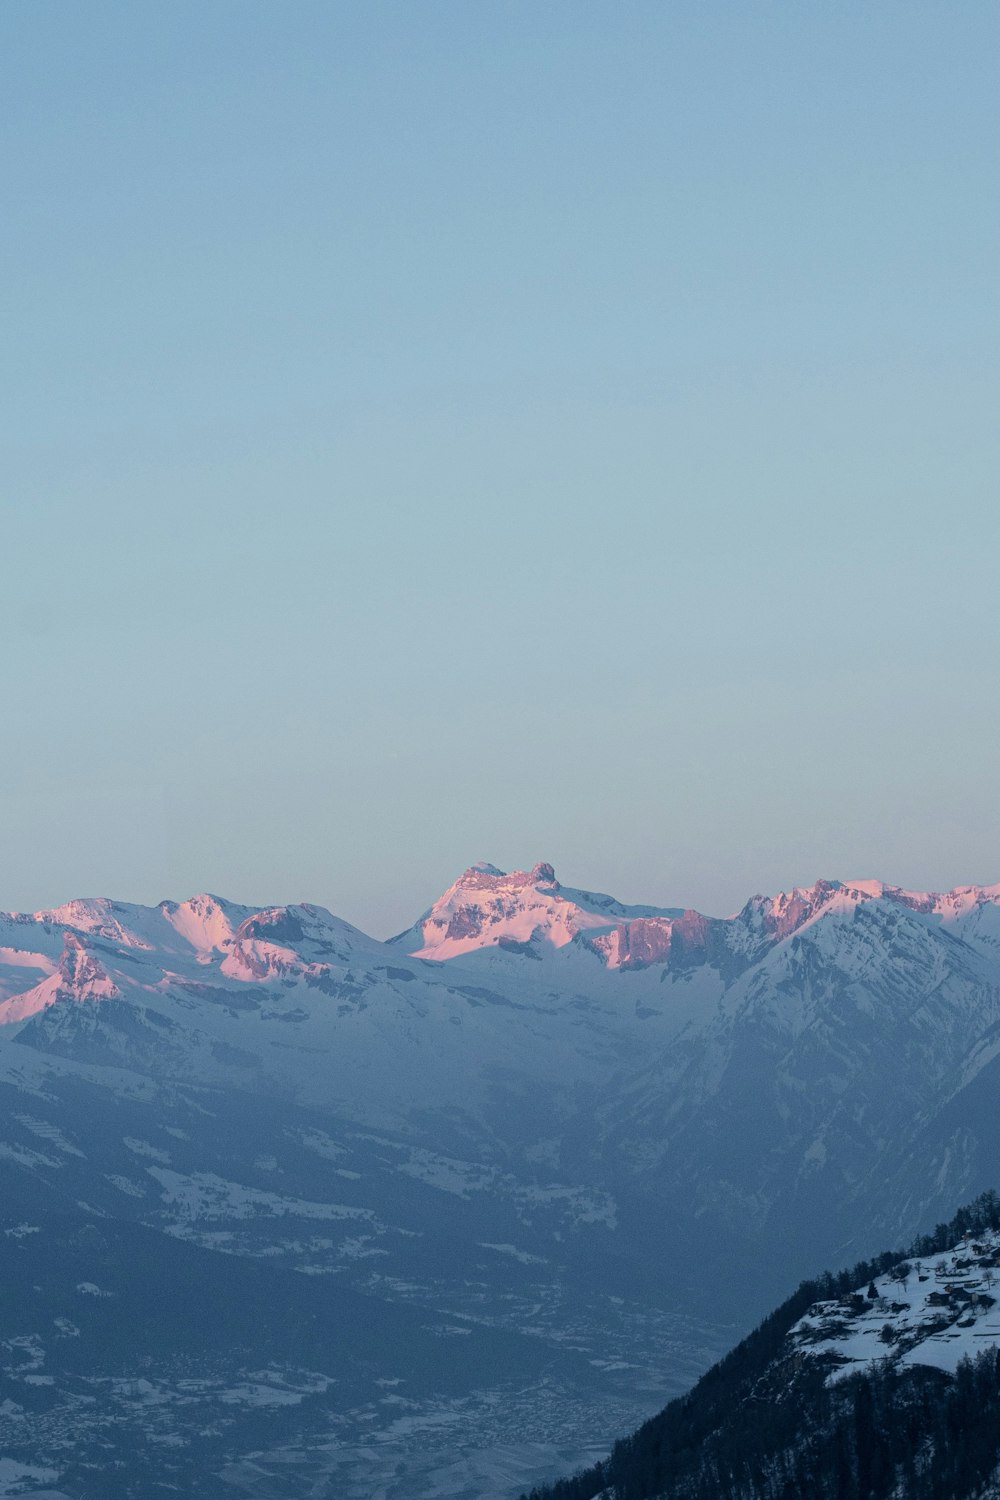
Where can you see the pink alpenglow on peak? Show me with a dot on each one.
(489, 908)
(79, 977)
(528, 910)
(486, 876)
(284, 941)
(206, 922)
(97, 916)
(303, 958)
(789, 911)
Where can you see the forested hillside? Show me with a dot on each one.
(769, 1423)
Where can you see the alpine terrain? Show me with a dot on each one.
(882, 1383)
(290, 1211)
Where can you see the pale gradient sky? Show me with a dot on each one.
(514, 431)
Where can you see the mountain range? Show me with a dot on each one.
(471, 1201)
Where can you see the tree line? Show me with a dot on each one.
(762, 1425)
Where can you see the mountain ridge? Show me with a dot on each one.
(487, 907)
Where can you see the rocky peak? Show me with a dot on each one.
(484, 876)
(80, 975)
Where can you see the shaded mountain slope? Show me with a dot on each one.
(862, 1386)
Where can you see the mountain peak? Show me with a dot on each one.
(486, 875)
(81, 975)
(96, 915)
(491, 908)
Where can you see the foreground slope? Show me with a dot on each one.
(881, 1382)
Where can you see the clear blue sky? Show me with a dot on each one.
(450, 431)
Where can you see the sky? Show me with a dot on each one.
(497, 431)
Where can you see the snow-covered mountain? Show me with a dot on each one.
(608, 1135)
(487, 908)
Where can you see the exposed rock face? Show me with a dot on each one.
(81, 976)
